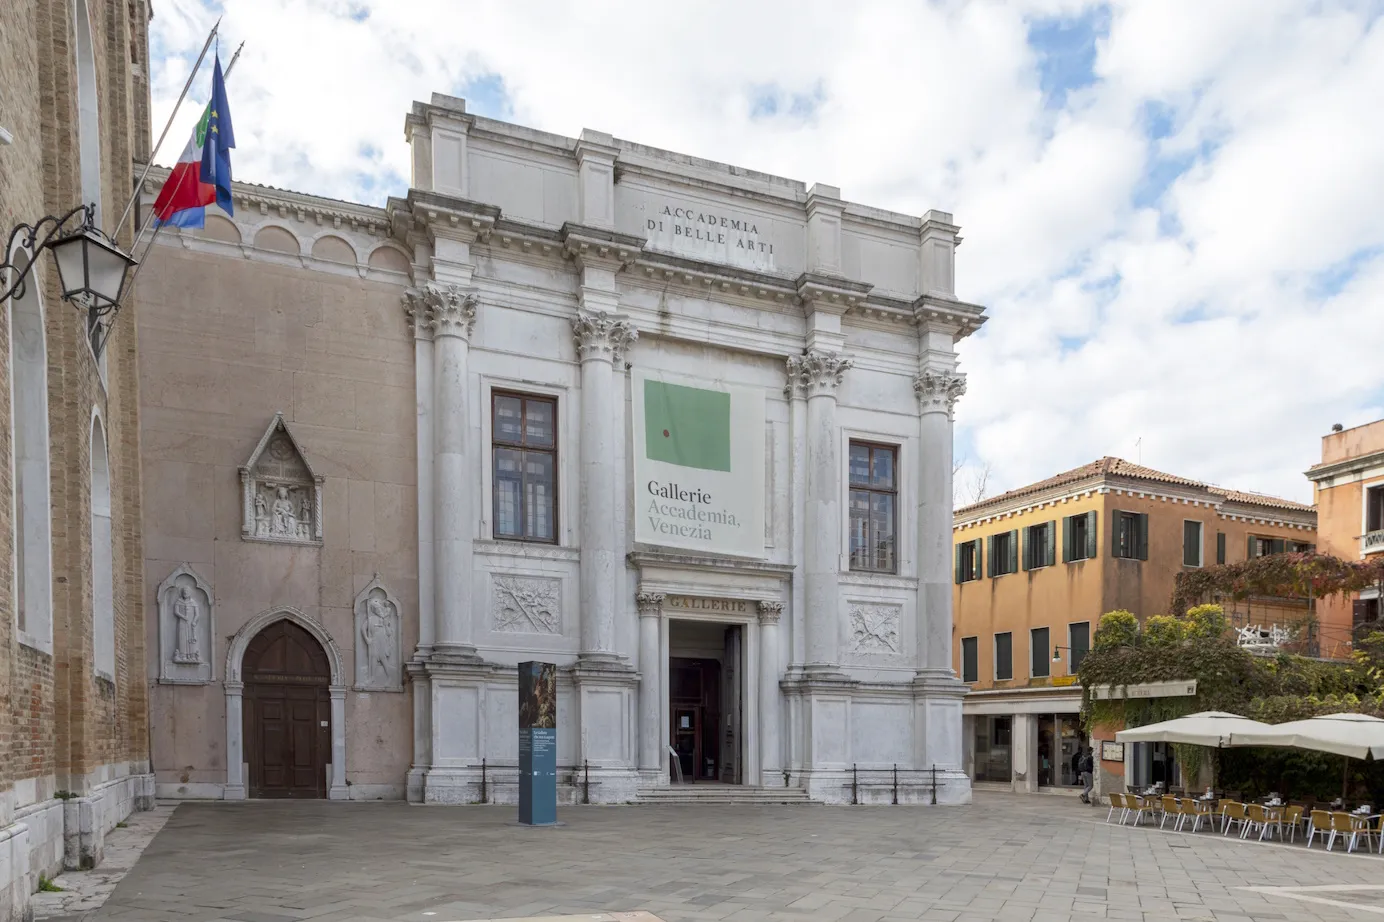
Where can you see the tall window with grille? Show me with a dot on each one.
(524, 466)
(874, 507)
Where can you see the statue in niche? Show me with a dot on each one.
(304, 516)
(378, 634)
(285, 519)
(188, 614)
(261, 515)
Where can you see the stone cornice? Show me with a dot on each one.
(1356, 465)
(443, 216)
(830, 293)
(959, 318)
(596, 246)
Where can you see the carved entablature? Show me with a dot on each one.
(281, 496)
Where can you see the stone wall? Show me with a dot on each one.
(72, 88)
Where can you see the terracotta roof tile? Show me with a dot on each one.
(1118, 467)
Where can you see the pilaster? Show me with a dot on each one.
(770, 698)
(650, 669)
(596, 154)
(938, 240)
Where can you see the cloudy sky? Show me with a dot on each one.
(1173, 210)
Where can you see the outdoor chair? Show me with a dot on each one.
(1320, 825)
(1117, 802)
(1170, 808)
(1197, 810)
(1232, 813)
(1292, 820)
(1256, 817)
(1139, 808)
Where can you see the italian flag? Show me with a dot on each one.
(686, 426)
(184, 198)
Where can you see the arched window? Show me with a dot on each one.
(102, 567)
(29, 474)
(88, 111)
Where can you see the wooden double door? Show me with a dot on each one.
(287, 708)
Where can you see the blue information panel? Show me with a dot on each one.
(537, 744)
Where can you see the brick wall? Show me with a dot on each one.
(62, 728)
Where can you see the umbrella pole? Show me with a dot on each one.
(1345, 776)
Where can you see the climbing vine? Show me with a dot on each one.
(1280, 575)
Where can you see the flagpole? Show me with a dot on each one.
(166, 126)
(140, 236)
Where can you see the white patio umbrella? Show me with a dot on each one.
(1208, 728)
(1357, 736)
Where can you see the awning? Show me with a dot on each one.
(1208, 728)
(1355, 735)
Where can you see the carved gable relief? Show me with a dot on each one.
(281, 496)
(378, 665)
(526, 605)
(185, 628)
(874, 628)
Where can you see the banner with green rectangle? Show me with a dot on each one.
(699, 450)
(687, 426)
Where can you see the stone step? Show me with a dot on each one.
(722, 794)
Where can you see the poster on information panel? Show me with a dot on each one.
(698, 464)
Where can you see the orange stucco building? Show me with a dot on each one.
(1034, 570)
(1349, 484)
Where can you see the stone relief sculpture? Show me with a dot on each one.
(282, 496)
(874, 628)
(377, 639)
(528, 605)
(185, 628)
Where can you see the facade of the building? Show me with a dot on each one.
(680, 428)
(1035, 568)
(74, 756)
(1349, 489)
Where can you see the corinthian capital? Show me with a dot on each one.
(815, 372)
(938, 391)
(600, 336)
(650, 603)
(453, 311)
(770, 612)
(417, 313)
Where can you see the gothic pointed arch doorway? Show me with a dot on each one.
(287, 712)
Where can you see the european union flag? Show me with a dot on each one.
(220, 138)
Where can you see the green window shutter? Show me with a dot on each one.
(1067, 539)
(1050, 555)
(1091, 546)
(957, 551)
(990, 556)
(1116, 522)
(1249, 548)
(1028, 548)
(1142, 538)
(1277, 546)
(1014, 551)
(1220, 547)
(979, 557)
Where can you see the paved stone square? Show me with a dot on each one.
(1012, 858)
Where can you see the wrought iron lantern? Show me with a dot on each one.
(92, 271)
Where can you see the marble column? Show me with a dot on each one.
(419, 316)
(818, 374)
(937, 393)
(651, 669)
(770, 708)
(601, 343)
(337, 789)
(454, 484)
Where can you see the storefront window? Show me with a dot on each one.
(992, 749)
(1154, 763)
(1059, 747)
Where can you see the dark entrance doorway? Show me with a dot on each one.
(287, 713)
(705, 700)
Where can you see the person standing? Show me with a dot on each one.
(1086, 769)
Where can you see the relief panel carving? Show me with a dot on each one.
(874, 628)
(377, 639)
(526, 604)
(281, 496)
(185, 628)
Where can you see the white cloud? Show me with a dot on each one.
(1198, 326)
